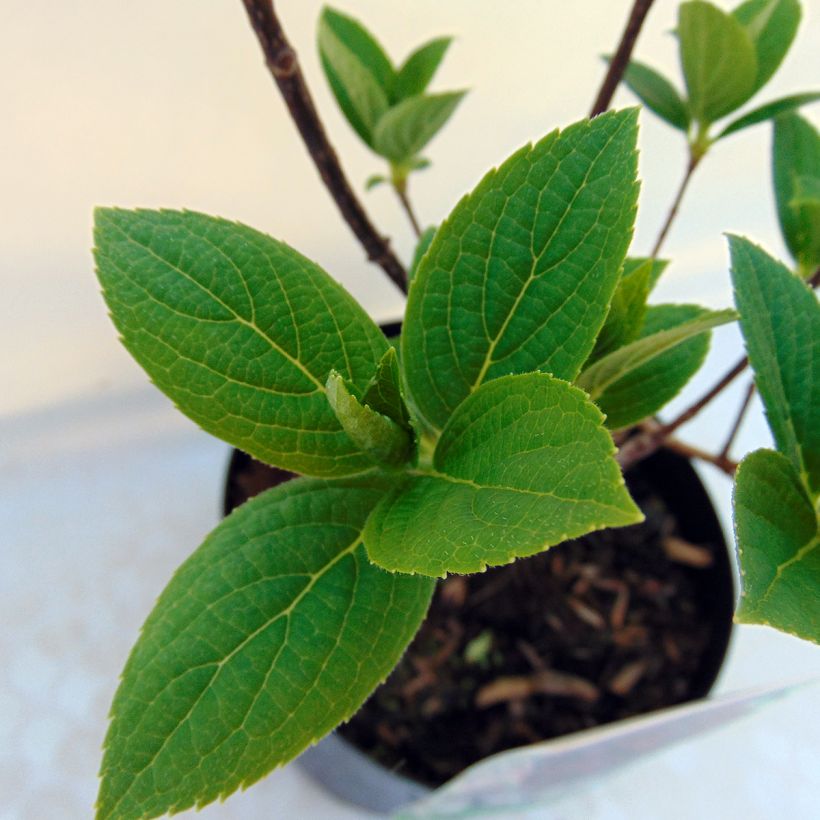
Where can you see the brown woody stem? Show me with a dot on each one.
(620, 60)
(741, 413)
(694, 160)
(283, 64)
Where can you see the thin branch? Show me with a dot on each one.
(620, 60)
(741, 414)
(694, 160)
(721, 461)
(401, 193)
(284, 66)
(644, 444)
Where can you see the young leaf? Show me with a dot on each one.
(772, 25)
(275, 630)
(425, 240)
(657, 94)
(520, 275)
(632, 263)
(239, 330)
(626, 312)
(796, 154)
(383, 392)
(778, 546)
(718, 58)
(377, 435)
(598, 377)
(418, 69)
(409, 125)
(780, 320)
(769, 111)
(359, 73)
(646, 389)
(523, 463)
(374, 180)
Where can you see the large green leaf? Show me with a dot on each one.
(418, 69)
(641, 392)
(657, 94)
(359, 73)
(626, 311)
(523, 463)
(409, 125)
(772, 25)
(718, 58)
(778, 546)
(385, 441)
(780, 320)
(425, 240)
(604, 373)
(796, 154)
(520, 275)
(275, 630)
(240, 330)
(769, 111)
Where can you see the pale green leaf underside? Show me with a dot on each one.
(606, 371)
(643, 391)
(718, 58)
(772, 25)
(377, 435)
(240, 330)
(795, 155)
(520, 275)
(780, 320)
(769, 111)
(778, 546)
(409, 125)
(523, 464)
(657, 94)
(275, 630)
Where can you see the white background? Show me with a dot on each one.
(169, 104)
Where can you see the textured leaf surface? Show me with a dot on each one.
(780, 320)
(796, 154)
(778, 546)
(383, 392)
(606, 371)
(520, 275)
(524, 463)
(409, 125)
(379, 436)
(769, 111)
(657, 94)
(626, 312)
(425, 240)
(275, 630)
(806, 191)
(240, 330)
(418, 69)
(772, 25)
(719, 61)
(646, 389)
(359, 73)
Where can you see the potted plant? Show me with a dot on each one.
(486, 435)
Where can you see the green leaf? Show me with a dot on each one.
(643, 391)
(409, 125)
(718, 58)
(520, 275)
(239, 330)
(806, 191)
(377, 435)
(632, 263)
(778, 546)
(772, 25)
(796, 154)
(418, 69)
(626, 311)
(374, 180)
(275, 630)
(425, 240)
(769, 111)
(657, 94)
(383, 392)
(359, 73)
(524, 463)
(780, 320)
(606, 371)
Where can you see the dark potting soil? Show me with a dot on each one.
(610, 625)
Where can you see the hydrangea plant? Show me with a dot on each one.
(484, 435)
